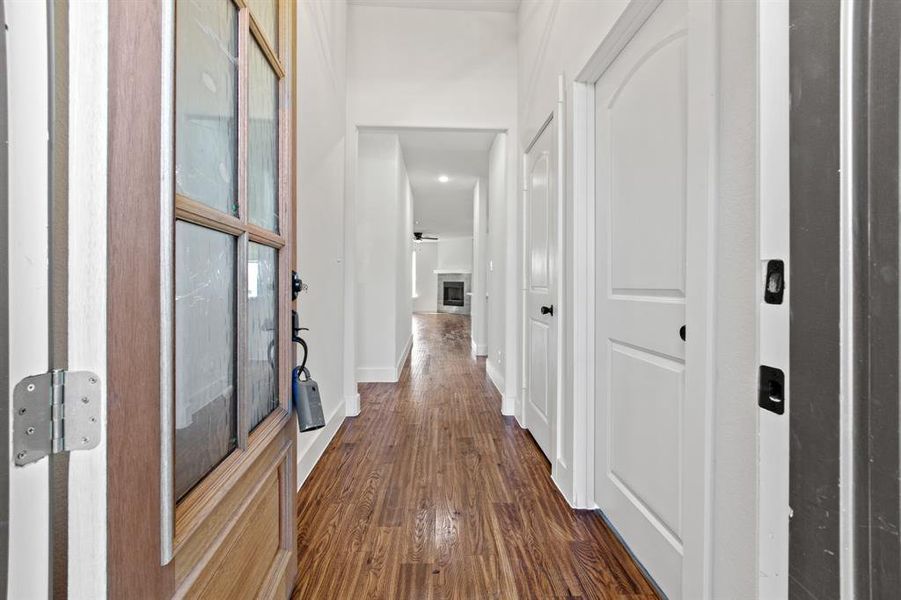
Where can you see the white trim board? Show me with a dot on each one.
(87, 568)
(29, 552)
(385, 374)
(773, 319)
(315, 447)
(376, 375)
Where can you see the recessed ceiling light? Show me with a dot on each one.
(443, 178)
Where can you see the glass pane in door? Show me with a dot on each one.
(206, 103)
(262, 151)
(205, 352)
(262, 323)
(265, 12)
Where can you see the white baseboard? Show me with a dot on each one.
(376, 374)
(478, 349)
(311, 445)
(352, 405)
(386, 374)
(495, 375)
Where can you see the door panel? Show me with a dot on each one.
(645, 406)
(647, 422)
(541, 285)
(538, 380)
(646, 119)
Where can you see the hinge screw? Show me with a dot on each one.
(30, 387)
(85, 440)
(22, 411)
(92, 379)
(21, 455)
(29, 431)
(85, 400)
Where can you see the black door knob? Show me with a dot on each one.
(548, 310)
(682, 333)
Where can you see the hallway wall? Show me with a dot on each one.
(455, 253)
(382, 258)
(433, 68)
(479, 267)
(321, 114)
(426, 282)
(497, 268)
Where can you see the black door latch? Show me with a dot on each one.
(771, 389)
(548, 310)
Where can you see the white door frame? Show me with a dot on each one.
(554, 119)
(86, 155)
(698, 583)
(773, 319)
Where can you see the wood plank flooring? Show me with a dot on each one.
(431, 493)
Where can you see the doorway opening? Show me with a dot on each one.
(422, 240)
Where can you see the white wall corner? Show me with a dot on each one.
(315, 443)
(399, 367)
(518, 412)
(562, 477)
(352, 405)
(495, 376)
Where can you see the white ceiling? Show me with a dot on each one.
(510, 6)
(444, 209)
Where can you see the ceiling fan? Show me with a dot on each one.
(418, 236)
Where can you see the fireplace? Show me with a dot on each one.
(453, 293)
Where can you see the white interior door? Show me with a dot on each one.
(651, 275)
(541, 290)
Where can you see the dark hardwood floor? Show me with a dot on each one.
(431, 493)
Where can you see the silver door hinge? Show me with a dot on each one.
(55, 412)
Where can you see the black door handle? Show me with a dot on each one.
(548, 310)
(682, 333)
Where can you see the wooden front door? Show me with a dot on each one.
(202, 442)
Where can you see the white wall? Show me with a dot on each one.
(403, 320)
(431, 68)
(428, 68)
(426, 281)
(735, 418)
(479, 305)
(455, 254)
(321, 126)
(383, 260)
(495, 276)
(557, 37)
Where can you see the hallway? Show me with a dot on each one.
(431, 492)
